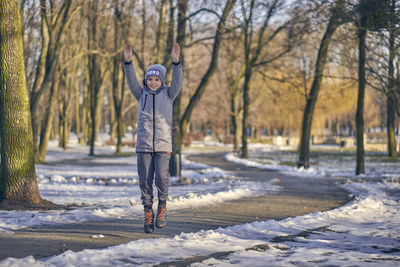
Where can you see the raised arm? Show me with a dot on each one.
(177, 73)
(130, 73)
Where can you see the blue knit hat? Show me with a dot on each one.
(158, 71)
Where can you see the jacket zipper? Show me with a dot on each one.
(154, 123)
(145, 100)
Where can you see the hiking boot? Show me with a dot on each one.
(161, 215)
(148, 220)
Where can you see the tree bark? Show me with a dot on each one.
(234, 80)
(40, 72)
(246, 104)
(170, 36)
(235, 120)
(157, 56)
(390, 101)
(77, 115)
(65, 100)
(175, 165)
(62, 112)
(390, 124)
(118, 88)
(112, 114)
(17, 169)
(96, 75)
(86, 109)
(48, 120)
(247, 33)
(362, 34)
(311, 101)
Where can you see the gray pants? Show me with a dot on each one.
(150, 166)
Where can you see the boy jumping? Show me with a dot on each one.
(154, 131)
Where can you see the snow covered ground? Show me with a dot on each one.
(364, 232)
(325, 160)
(99, 188)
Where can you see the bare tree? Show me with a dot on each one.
(158, 45)
(234, 75)
(212, 67)
(371, 15)
(56, 20)
(175, 162)
(255, 54)
(383, 69)
(391, 97)
(68, 88)
(97, 71)
(362, 35)
(336, 18)
(121, 27)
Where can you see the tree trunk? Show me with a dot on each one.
(362, 34)
(315, 87)
(96, 75)
(65, 100)
(60, 130)
(157, 56)
(77, 115)
(112, 115)
(390, 101)
(40, 71)
(48, 121)
(17, 169)
(170, 36)
(246, 84)
(234, 81)
(118, 87)
(175, 165)
(95, 115)
(235, 121)
(391, 135)
(86, 108)
(143, 35)
(246, 104)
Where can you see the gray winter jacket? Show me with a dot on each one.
(154, 124)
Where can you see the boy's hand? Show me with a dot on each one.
(128, 52)
(176, 51)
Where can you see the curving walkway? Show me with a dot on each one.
(298, 196)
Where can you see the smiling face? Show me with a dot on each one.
(153, 82)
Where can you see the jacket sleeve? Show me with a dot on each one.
(133, 83)
(177, 81)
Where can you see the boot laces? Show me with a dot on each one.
(148, 216)
(161, 213)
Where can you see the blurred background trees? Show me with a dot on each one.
(253, 69)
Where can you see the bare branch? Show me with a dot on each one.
(203, 10)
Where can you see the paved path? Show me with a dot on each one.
(298, 196)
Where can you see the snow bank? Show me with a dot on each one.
(365, 232)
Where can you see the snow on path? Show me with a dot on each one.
(102, 188)
(364, 232)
